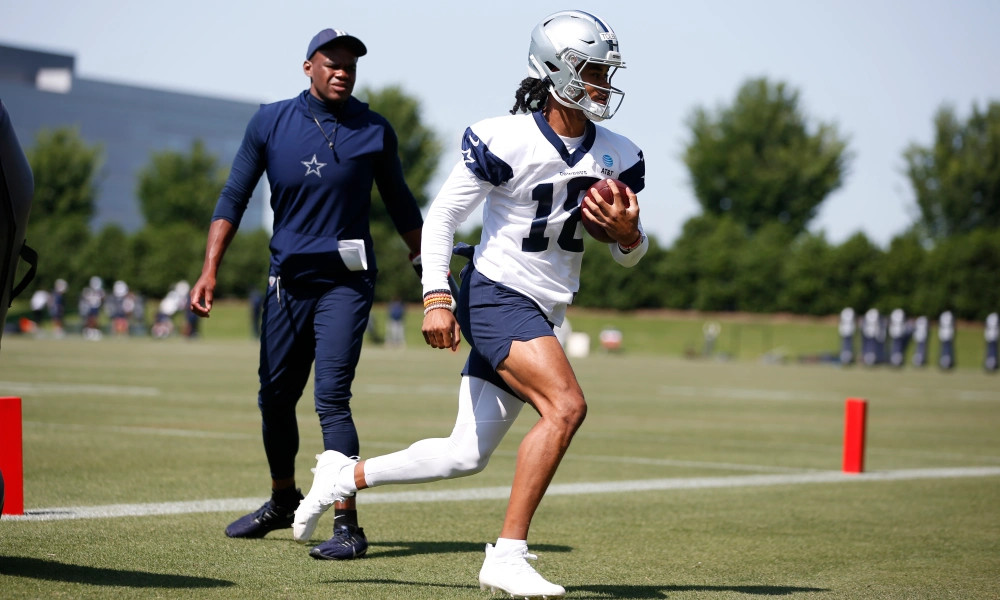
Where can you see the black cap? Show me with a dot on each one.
(328, 36)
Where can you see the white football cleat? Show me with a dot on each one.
(324, 493)
(512, 574)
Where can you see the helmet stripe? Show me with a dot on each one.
(596, 19)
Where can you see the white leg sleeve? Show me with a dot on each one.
(485, 414)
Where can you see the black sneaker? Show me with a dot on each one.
(348, 542)
(265, 519)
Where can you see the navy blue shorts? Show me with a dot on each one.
(492, 316)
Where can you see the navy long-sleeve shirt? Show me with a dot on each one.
(319, 195)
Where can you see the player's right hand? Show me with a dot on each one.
(202, 295)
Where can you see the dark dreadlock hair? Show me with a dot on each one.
(531, 95)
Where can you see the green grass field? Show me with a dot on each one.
(690, 479)
(667, 333)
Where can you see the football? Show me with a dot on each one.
(604, 192)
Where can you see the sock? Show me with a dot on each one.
(507, 546)
(286, 497)
(345, 479)
(344, 516)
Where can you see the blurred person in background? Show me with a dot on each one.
(57, 307)
(39, 304)
(91, 301)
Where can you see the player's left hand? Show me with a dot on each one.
(441, 330)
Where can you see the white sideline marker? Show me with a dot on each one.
(502, 492)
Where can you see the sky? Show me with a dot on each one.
(878, 70)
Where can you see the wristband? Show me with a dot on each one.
(633, 245)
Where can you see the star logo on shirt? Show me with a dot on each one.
(313, 166)
(467, 153)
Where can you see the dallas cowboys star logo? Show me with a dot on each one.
(313, 166)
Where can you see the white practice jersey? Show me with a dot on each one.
(532, 238)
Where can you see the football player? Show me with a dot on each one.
(530, 172)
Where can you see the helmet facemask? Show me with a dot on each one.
(574, 94)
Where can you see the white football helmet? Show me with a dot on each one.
(562, 45)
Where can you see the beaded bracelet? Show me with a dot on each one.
(443, 300)
(428, 309)
(438, 299)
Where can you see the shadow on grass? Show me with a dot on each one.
(51, 570)
(597, 592)
(585, 592)
(622, 592)
(390, 549)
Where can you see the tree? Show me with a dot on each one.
(180, 188)
(759, 266)
(681, 272)
(419, 148)
(108, 255)
(962, 274)
(852, 276)
(419, 152)
(957, 180)
(52, 237)
(899, 276)
(177, 195)
(806, 288)
(606, 284)
(65, 169)
(759, 161)
(167, 254)
(717, 266)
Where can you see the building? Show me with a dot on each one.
(41, 91)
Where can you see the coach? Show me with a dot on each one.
(321, 152)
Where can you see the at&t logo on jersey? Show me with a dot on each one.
(609, 162)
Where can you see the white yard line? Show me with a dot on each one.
(502, 492)
(23, 388)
